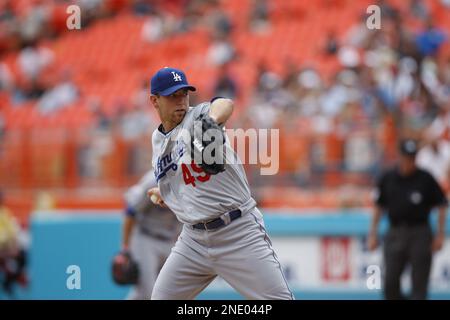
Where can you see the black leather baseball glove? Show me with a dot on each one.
(124, 269)
(207, 145)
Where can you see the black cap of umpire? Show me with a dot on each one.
(409, 147)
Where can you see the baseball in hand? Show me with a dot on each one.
(154, 198)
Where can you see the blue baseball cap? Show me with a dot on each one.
(168, 80)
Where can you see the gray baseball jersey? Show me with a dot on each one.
(193, 195)
(238, 250)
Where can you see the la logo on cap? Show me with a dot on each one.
(176, 76)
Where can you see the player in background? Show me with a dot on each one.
(149, 232)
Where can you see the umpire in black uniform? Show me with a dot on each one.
(408, 194)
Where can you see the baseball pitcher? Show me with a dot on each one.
(201, 179)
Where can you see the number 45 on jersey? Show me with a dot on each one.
(189, 178)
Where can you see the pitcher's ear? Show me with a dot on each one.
(154, 100)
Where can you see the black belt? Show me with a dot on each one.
(219, 222)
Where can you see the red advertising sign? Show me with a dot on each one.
(335, 259)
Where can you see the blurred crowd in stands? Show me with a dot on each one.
(393, 73)
(387, 83)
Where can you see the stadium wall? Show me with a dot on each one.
(323, 255)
